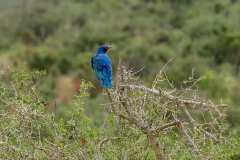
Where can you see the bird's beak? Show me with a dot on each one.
(109, 47)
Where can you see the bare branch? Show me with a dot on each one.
(171, 97)
(168, 125)
(146, 109)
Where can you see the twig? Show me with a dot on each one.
(138, 71)
(106, 140)
(190, 141)
(168, 125)
(171, 97)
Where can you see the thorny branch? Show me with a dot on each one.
(154, 110)
(170, 97)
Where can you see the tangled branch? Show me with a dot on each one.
(155, 110)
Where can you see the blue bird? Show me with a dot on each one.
(102, 66)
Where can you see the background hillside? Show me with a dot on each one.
(59, 37)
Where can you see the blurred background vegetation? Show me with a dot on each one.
(59, 37)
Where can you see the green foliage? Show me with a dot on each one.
(29, 130)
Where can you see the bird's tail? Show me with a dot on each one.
(106, 83)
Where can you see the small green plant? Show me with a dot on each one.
(29, 131)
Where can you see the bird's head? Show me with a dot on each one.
(103, 49)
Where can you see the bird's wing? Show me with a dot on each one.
(102, 66)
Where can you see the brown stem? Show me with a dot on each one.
(155, 146)
(168, 125)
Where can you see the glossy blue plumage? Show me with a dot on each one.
(102, 66)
